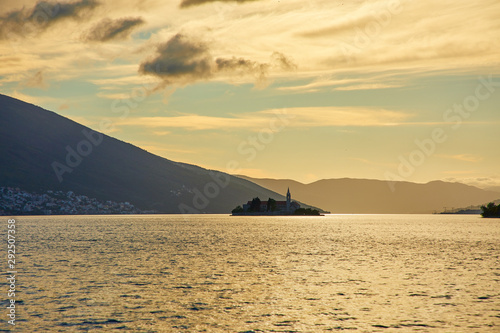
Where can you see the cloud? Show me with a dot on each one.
(36, 81)
(35, 100)
(282, 61)
(182, 60)
(114, 96)
(108, 29)
(463, 157)
(161, 133)
(301, 117)
(64, 106)
(118, 81)
(189, 3)
(374, 81)
(191, 122)
(26, 98)
(242, 67)
(368, 86)
(344, 24)
(491, 183)
(162, 149)
(345, 116)
(377, 37)
(44, 14)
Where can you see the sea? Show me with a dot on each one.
(219, 273)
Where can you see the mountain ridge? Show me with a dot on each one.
(373, 196)
(42, 150)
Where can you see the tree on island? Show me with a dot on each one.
(271, 205)
(238, 209)
(255, 205)
(490, 210)
(306, 211)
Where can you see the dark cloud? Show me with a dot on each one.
(242, 66)
(109, 29)
(280, 60)
(181, 60)
(26, 22)
(189, 3)
(61, 10)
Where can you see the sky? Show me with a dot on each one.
(306, 90)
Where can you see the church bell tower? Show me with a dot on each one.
(288, 200)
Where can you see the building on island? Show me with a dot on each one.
(270, 207)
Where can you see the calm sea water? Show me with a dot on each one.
(362, 273)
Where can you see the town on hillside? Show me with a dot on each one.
(15, 201)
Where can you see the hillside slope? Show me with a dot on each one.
(41, 150)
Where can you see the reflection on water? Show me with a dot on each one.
(368, 273)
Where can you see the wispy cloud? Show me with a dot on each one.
(463, 157)
(369, 82)
(108, 29)
(481, 182)
(189, 3)
(113, 96)
(368, 86)
(300, 117)
(35, 100)
(116, 82)
(190, 122)
(161, 133)
(344, 116)
(161, 150)
(36, 81)
(358, 17)
(311, 35)
(439, 41)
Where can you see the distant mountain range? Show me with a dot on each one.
(41, 150)
(493, 188)
(365, 196)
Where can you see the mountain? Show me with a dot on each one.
(493, 188)
(365, 196)
(41, 150)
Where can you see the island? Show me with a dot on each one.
(491, 210)
(273, 207)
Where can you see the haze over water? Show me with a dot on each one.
(215, 273)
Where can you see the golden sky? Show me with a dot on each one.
(406, 90)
